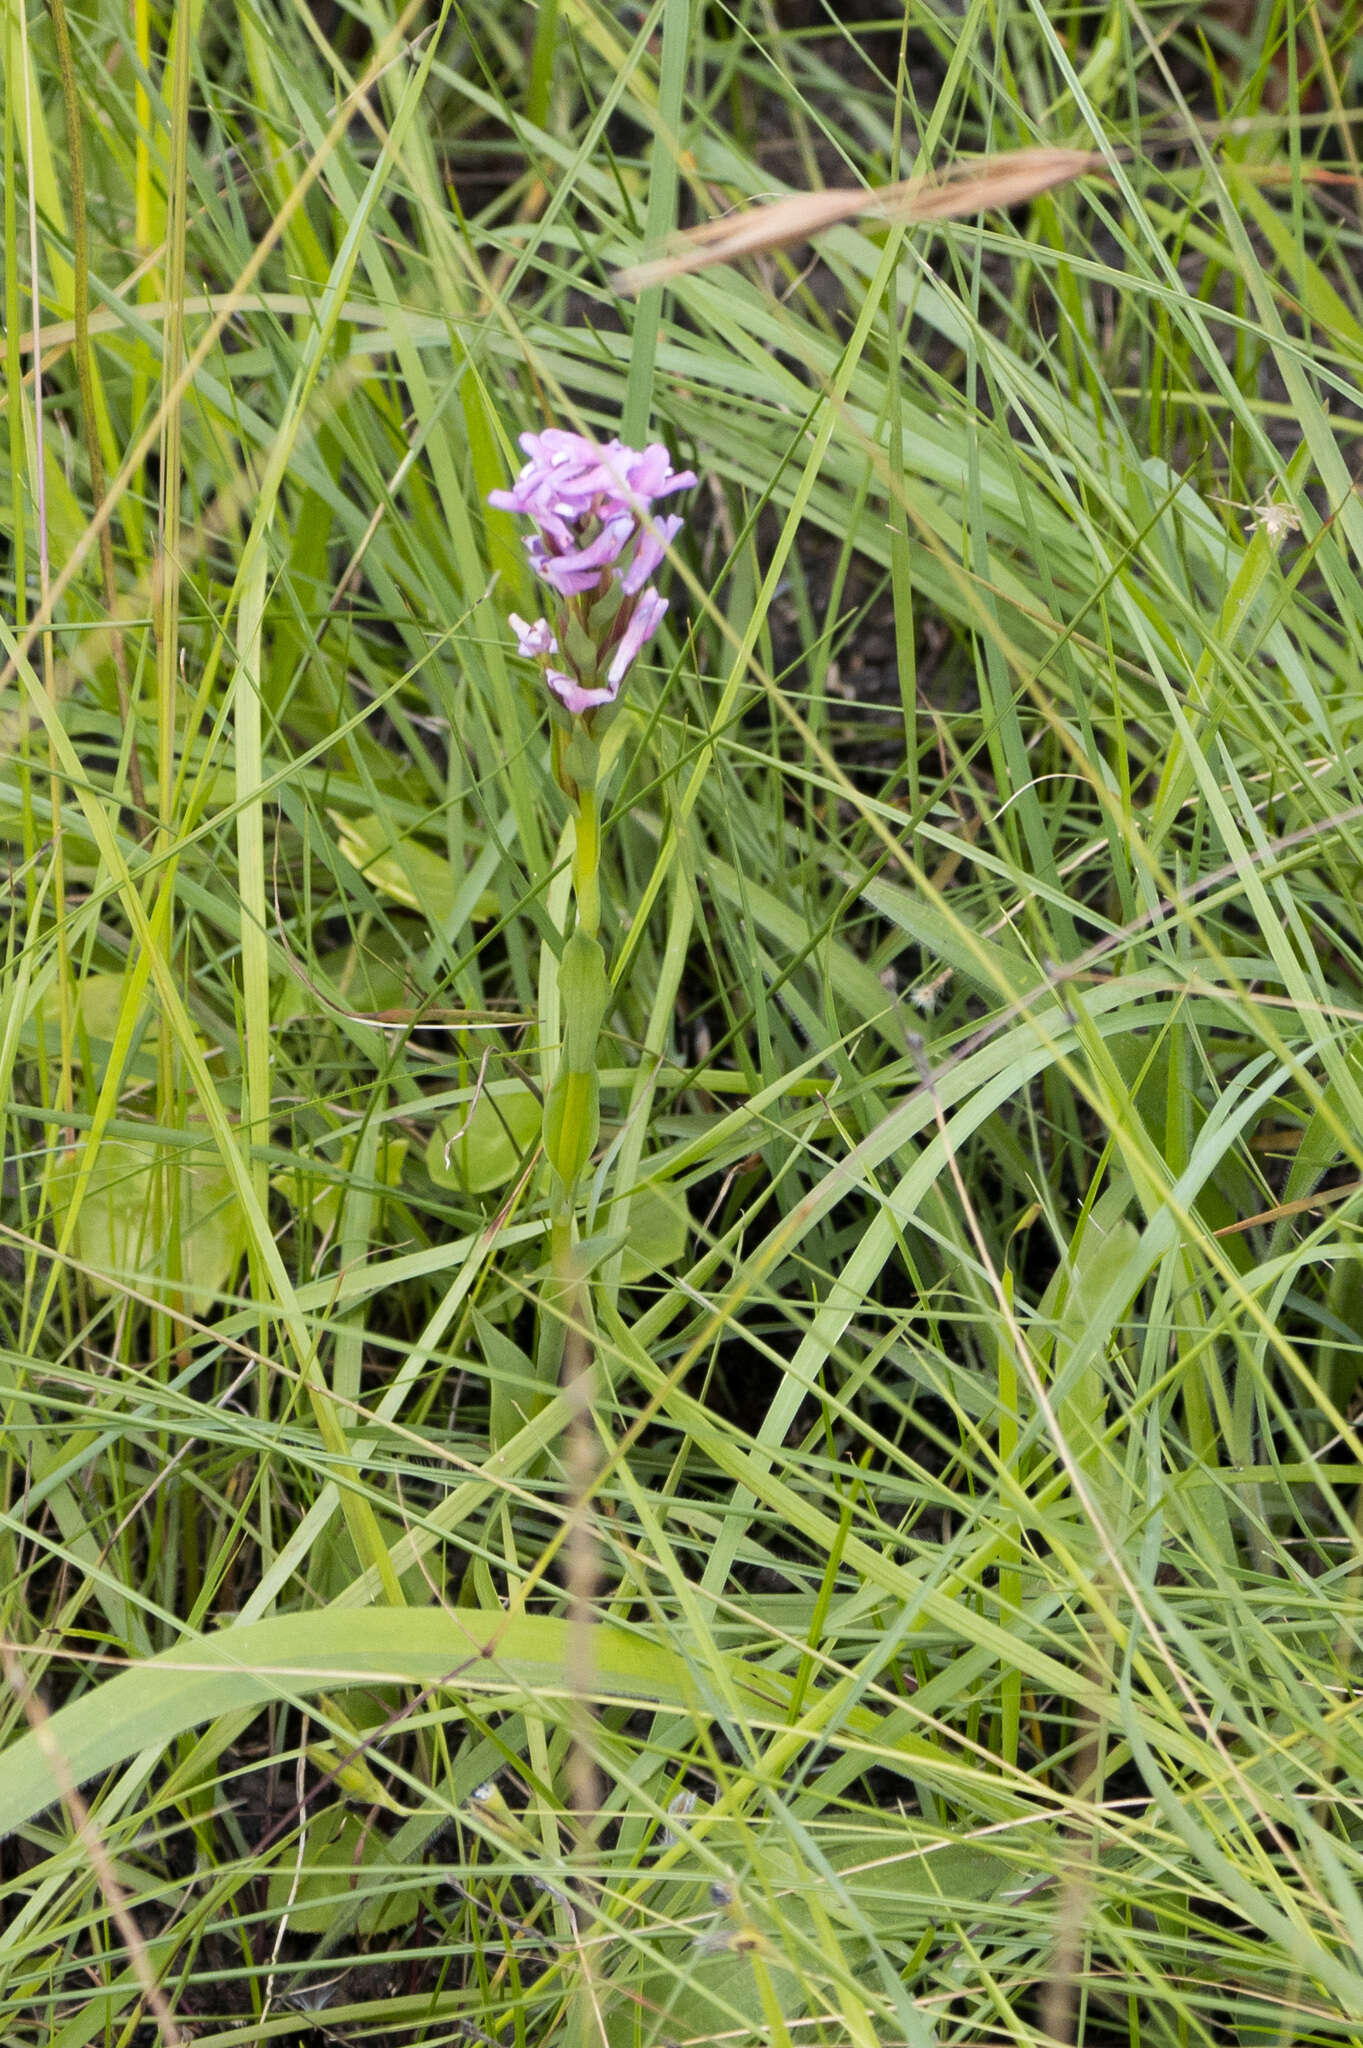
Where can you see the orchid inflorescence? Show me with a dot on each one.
(596, 545)
(596, 542)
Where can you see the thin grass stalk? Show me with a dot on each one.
(63, 1089)
(80, 314)
(256, 1025)
(661, 215)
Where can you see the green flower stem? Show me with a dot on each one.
(572, 1106)
(587, 862)
(565, 1298)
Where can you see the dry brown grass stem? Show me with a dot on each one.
(92, 1844)
(973, 187)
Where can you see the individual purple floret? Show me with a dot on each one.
(536, 641)
(532, 641)
(644, 622)
(596, 545)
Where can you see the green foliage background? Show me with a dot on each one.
(969, 1519)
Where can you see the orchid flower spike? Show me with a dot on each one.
(596, 544)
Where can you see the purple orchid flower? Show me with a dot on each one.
(596, 545)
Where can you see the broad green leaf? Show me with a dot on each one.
(342, 1851)
(520, 1660)
(1000, 970)
(142, 1196)
(296, 1656)
(659, 1231)
(405, 870)
(320, 1188)
(100, 1003)
(481, 1146)
(352, 977)
(891, 1885)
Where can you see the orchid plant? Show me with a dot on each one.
(596, 543)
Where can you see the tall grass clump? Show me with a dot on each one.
(681, 1347)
